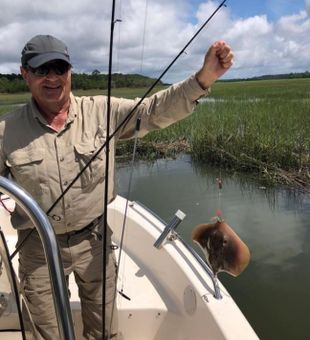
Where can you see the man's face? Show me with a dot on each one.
(50, 84)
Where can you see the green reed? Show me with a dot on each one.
(13, 99)
(259, 126)
(269, 131)
(254, 126)
(5, 109)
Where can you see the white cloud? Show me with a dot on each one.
(264, 47)
(260, 46)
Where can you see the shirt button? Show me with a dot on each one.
(56, 218)
(65, 183)
(61, 158)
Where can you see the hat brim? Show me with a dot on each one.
(43, 58)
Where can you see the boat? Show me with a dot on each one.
(166, 289)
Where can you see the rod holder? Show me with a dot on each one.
(170, 226)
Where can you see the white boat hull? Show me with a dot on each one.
(171, 295)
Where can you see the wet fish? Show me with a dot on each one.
(223, 248)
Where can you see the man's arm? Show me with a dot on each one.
(218, 59)
(178, 101)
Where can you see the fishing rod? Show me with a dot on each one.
(106, 183)
(122, 123)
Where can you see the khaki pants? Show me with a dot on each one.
(82, 255)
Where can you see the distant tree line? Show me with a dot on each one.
(275, 76)
(13, 83)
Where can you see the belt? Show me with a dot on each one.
(92, 224)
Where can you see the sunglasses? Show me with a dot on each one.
(59, 68)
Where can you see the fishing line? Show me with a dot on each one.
(125, 216)
(144, 33)
(219, 180)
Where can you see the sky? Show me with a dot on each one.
(267, 36)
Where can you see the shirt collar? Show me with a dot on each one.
(37, 114)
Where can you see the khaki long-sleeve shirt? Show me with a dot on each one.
(44, 162)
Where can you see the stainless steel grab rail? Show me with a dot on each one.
(52, 254)
(217, 291)
(170, 228)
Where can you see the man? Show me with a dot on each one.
(45, 144)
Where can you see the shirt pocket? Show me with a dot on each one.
(28, 169)
(95, 171)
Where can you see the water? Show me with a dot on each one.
(274, 291)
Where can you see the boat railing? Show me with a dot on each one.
(48, 238)
(170, 233)
(217, 292)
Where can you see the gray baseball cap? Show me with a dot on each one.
(42, 49)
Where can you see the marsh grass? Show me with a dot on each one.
(262, 127)
(269, 136)
(13, 99)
